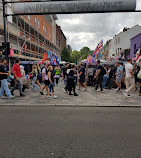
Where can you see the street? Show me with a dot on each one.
(70, 132)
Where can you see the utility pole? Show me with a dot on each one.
(5, 33)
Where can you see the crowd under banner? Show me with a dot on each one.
(74, 6)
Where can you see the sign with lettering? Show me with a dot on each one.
(74, 6)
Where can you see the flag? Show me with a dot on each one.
(51, 59)
(57, 59)
(44, 56)
(11, 52)
(48, 54)
(138, 56)
(99, 48)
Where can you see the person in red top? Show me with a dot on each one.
(17, 75)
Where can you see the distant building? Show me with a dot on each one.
(60, 38)
(121, 41)
(135, 45)
(105, 53)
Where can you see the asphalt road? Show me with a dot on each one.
(56, 132)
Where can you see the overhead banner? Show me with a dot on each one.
(78, 6)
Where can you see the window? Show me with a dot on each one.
(118, 40)
(28, 17)
(135, 49)
(39, 24)
(35, 21)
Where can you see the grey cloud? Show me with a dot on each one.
(88, 29)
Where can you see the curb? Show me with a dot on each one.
(74, 106)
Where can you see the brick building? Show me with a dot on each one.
(31, 35)
(60, 38)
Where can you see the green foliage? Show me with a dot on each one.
(75, 56)
(65, 55)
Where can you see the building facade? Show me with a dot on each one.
(121, 41)
(31, 35)
(106, 50)
(60, 38)
(135, 45)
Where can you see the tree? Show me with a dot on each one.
(85, 51)
(65, 55)
(75, 56)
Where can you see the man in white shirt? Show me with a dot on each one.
(129, 78)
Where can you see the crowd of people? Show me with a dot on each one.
(121, 75)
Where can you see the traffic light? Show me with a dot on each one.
(4, 47)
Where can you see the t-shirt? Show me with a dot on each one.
(100, 68)
(82, 69)
(90, 72)
(120, 69)
(16, 69)
(128, 66)
(4, 70)
(44, 71)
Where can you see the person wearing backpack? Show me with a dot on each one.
(99, 75)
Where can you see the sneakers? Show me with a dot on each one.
(126, 94)
(41, 93)
(11, 97)
(118, 90)
(49, 96)
(75, 94)
(54, 97)
(22, 95)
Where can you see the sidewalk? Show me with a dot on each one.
(89, 98)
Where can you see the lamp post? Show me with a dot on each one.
(4, 29)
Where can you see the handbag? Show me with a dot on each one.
(139, 75)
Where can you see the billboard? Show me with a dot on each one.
(74, 6)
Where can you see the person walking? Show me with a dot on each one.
(104, 82)
(71, 81)
(119, 76)
(57, 74)
(99, 75)
(45, 79)
(82, 77)
(39, 77)
(34, 74)
(23, 78)
(129, 78)
(17, 75)
(51, 80)
(139, 80)
(109, 76)
(3, 77)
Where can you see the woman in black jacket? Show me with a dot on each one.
(71, 81)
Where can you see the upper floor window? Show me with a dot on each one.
(28, 17)
(39, 24)
(35, 21)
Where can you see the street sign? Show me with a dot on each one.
(78, 6)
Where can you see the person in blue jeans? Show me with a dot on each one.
(3, 77)
(104, 79)
(35, 74)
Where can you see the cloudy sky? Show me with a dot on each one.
(88, 29)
